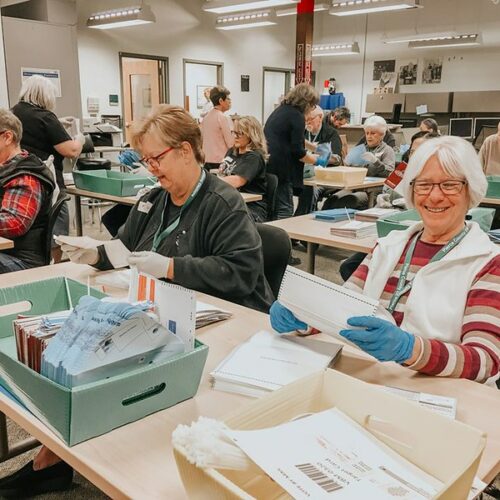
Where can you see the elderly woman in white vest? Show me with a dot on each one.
(439, 279)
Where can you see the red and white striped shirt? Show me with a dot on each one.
(477, 357)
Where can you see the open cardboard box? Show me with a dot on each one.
(448, 450)
(347, 176)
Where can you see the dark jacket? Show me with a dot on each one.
(284, 131)
(216, 247)
(30, 247)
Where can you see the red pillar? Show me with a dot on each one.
(304, 40)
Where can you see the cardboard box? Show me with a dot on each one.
(493, 186)
(110, 182)
(347, 176)
(448, 450)
(71, 413)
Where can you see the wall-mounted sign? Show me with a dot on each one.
(54, 75)
(245, 83)
(113, 99)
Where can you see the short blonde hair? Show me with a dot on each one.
(172, 125)
(251, 127)
(39, 91)
(457, 158)
(376, 122)
(302, 96)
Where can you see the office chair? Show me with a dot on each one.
(49, 232)
(271, 190)
(276, 250)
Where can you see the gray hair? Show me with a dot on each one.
(10, 122)
(316, 111)
(457, 158)
(376, 122)
(39, 91)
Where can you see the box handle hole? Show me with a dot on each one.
(18, 307)
(148, 393)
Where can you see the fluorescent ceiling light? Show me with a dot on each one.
(447, 41)
(119, 18)
(226, 6)
(318, 7)
(353, 7)
(417, 37)
(244, 20)
(335, 49)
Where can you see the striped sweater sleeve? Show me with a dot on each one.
(477, 357)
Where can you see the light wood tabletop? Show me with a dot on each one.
(136, 461)
(491, 201)
(6, 244)
(317, 232)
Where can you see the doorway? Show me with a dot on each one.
(144, 81)
(276, 82)
(198, 75)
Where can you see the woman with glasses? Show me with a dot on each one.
(438, 279)
(244, 166)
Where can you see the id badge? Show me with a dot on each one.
(144, 207)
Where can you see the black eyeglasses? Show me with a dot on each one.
(447, 187)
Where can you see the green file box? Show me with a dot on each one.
(110, 182)
(493, 186)
(93, 409)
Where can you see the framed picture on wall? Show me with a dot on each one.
(433, 68)
(202, 95)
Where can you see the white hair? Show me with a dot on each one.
(376, 122)
(316, 111)
(39, 91)
(457, 158)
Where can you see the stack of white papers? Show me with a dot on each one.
(268, 362)
(327, 455)
(354, 229)
(206, 314)
(373, 214)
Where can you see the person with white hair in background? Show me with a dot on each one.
(439, 280)
(43, 133)
(379, 158)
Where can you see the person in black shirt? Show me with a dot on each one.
(43, 133)
(244, 166)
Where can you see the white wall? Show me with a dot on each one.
(182, 30)
(463, 69)
(4, 97)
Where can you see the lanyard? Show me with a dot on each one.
(315, 137)
(161, 235)
(403, 287)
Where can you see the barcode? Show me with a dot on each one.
(321, 479)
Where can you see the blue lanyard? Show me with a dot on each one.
(403, 287)
(161, 235)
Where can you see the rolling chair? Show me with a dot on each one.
(271, 190)
(53, 214)
(276, 250)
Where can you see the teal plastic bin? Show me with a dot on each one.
(93, 409)
(110, 182)
(493, 186)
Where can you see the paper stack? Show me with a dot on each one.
(335, 214)
(268, 361)
(354, 229)
(206, 314)
(373, 214)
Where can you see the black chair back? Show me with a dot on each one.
(53, 214)
(271, 190)
(276, 250)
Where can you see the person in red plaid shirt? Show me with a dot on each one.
(26, 187)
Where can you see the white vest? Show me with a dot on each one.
(436, 303)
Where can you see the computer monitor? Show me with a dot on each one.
(479, 123)
(462, 127)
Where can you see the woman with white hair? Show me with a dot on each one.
(379, 158)
(43, 133)
(438, 279)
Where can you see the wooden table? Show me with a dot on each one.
(124, 200)
(371, 186)
(136, 461)
(317, 232)
(5, 243)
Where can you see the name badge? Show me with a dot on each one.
(144, 207)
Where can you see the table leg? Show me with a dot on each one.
(371, 198)
(311, 256)
(7, 451)
(78, 215)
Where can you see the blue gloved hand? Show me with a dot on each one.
(283, 320)
(380, 338)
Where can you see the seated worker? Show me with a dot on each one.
(26, 187)
(194, 231)
(439, 279)
(244, 166)
(388, 137)
(429, 125)
(338, 118)
(380, 157)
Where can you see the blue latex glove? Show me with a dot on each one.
(380, 338)
(283, 320)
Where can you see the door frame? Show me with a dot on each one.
(288, 79)
(218, 65)
(164, 82)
